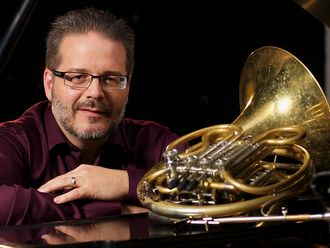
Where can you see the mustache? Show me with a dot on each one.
(93, 104)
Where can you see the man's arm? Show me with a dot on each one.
(19, 205)
(94, 182)
(20, 201)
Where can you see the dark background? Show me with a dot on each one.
(189, 54)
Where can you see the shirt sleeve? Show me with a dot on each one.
(20, 206)
(134, 176)
(20, 202)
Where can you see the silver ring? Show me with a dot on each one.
(74, 182)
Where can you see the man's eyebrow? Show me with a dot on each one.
(112, 73)
(81, 70)
(77, 70)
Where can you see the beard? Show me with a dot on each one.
(65, 116)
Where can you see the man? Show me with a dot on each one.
(75, 156)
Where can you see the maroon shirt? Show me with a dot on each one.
(34, 150)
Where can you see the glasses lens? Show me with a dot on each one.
(77, 79)
(114, 81)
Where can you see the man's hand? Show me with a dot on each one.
(89, 181)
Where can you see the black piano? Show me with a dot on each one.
(141, 230)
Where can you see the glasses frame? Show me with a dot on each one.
(61, 74)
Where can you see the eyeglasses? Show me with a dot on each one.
(80, 80)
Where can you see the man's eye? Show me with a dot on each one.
(111, 80)
(77, 78)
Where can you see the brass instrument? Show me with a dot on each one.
(268, 154)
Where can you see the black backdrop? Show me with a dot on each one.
(189, 54)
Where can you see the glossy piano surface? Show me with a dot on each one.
(142, 230)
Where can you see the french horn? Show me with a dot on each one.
(269, 153)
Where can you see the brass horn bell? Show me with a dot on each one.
(269, 153)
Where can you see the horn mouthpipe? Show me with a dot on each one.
(252, 219)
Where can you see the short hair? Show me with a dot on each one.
(83, 21)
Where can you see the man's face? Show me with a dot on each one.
(91, 113)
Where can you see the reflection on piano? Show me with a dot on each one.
(143, 230)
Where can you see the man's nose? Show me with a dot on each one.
(95, 88)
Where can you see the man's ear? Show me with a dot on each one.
(48, 83)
